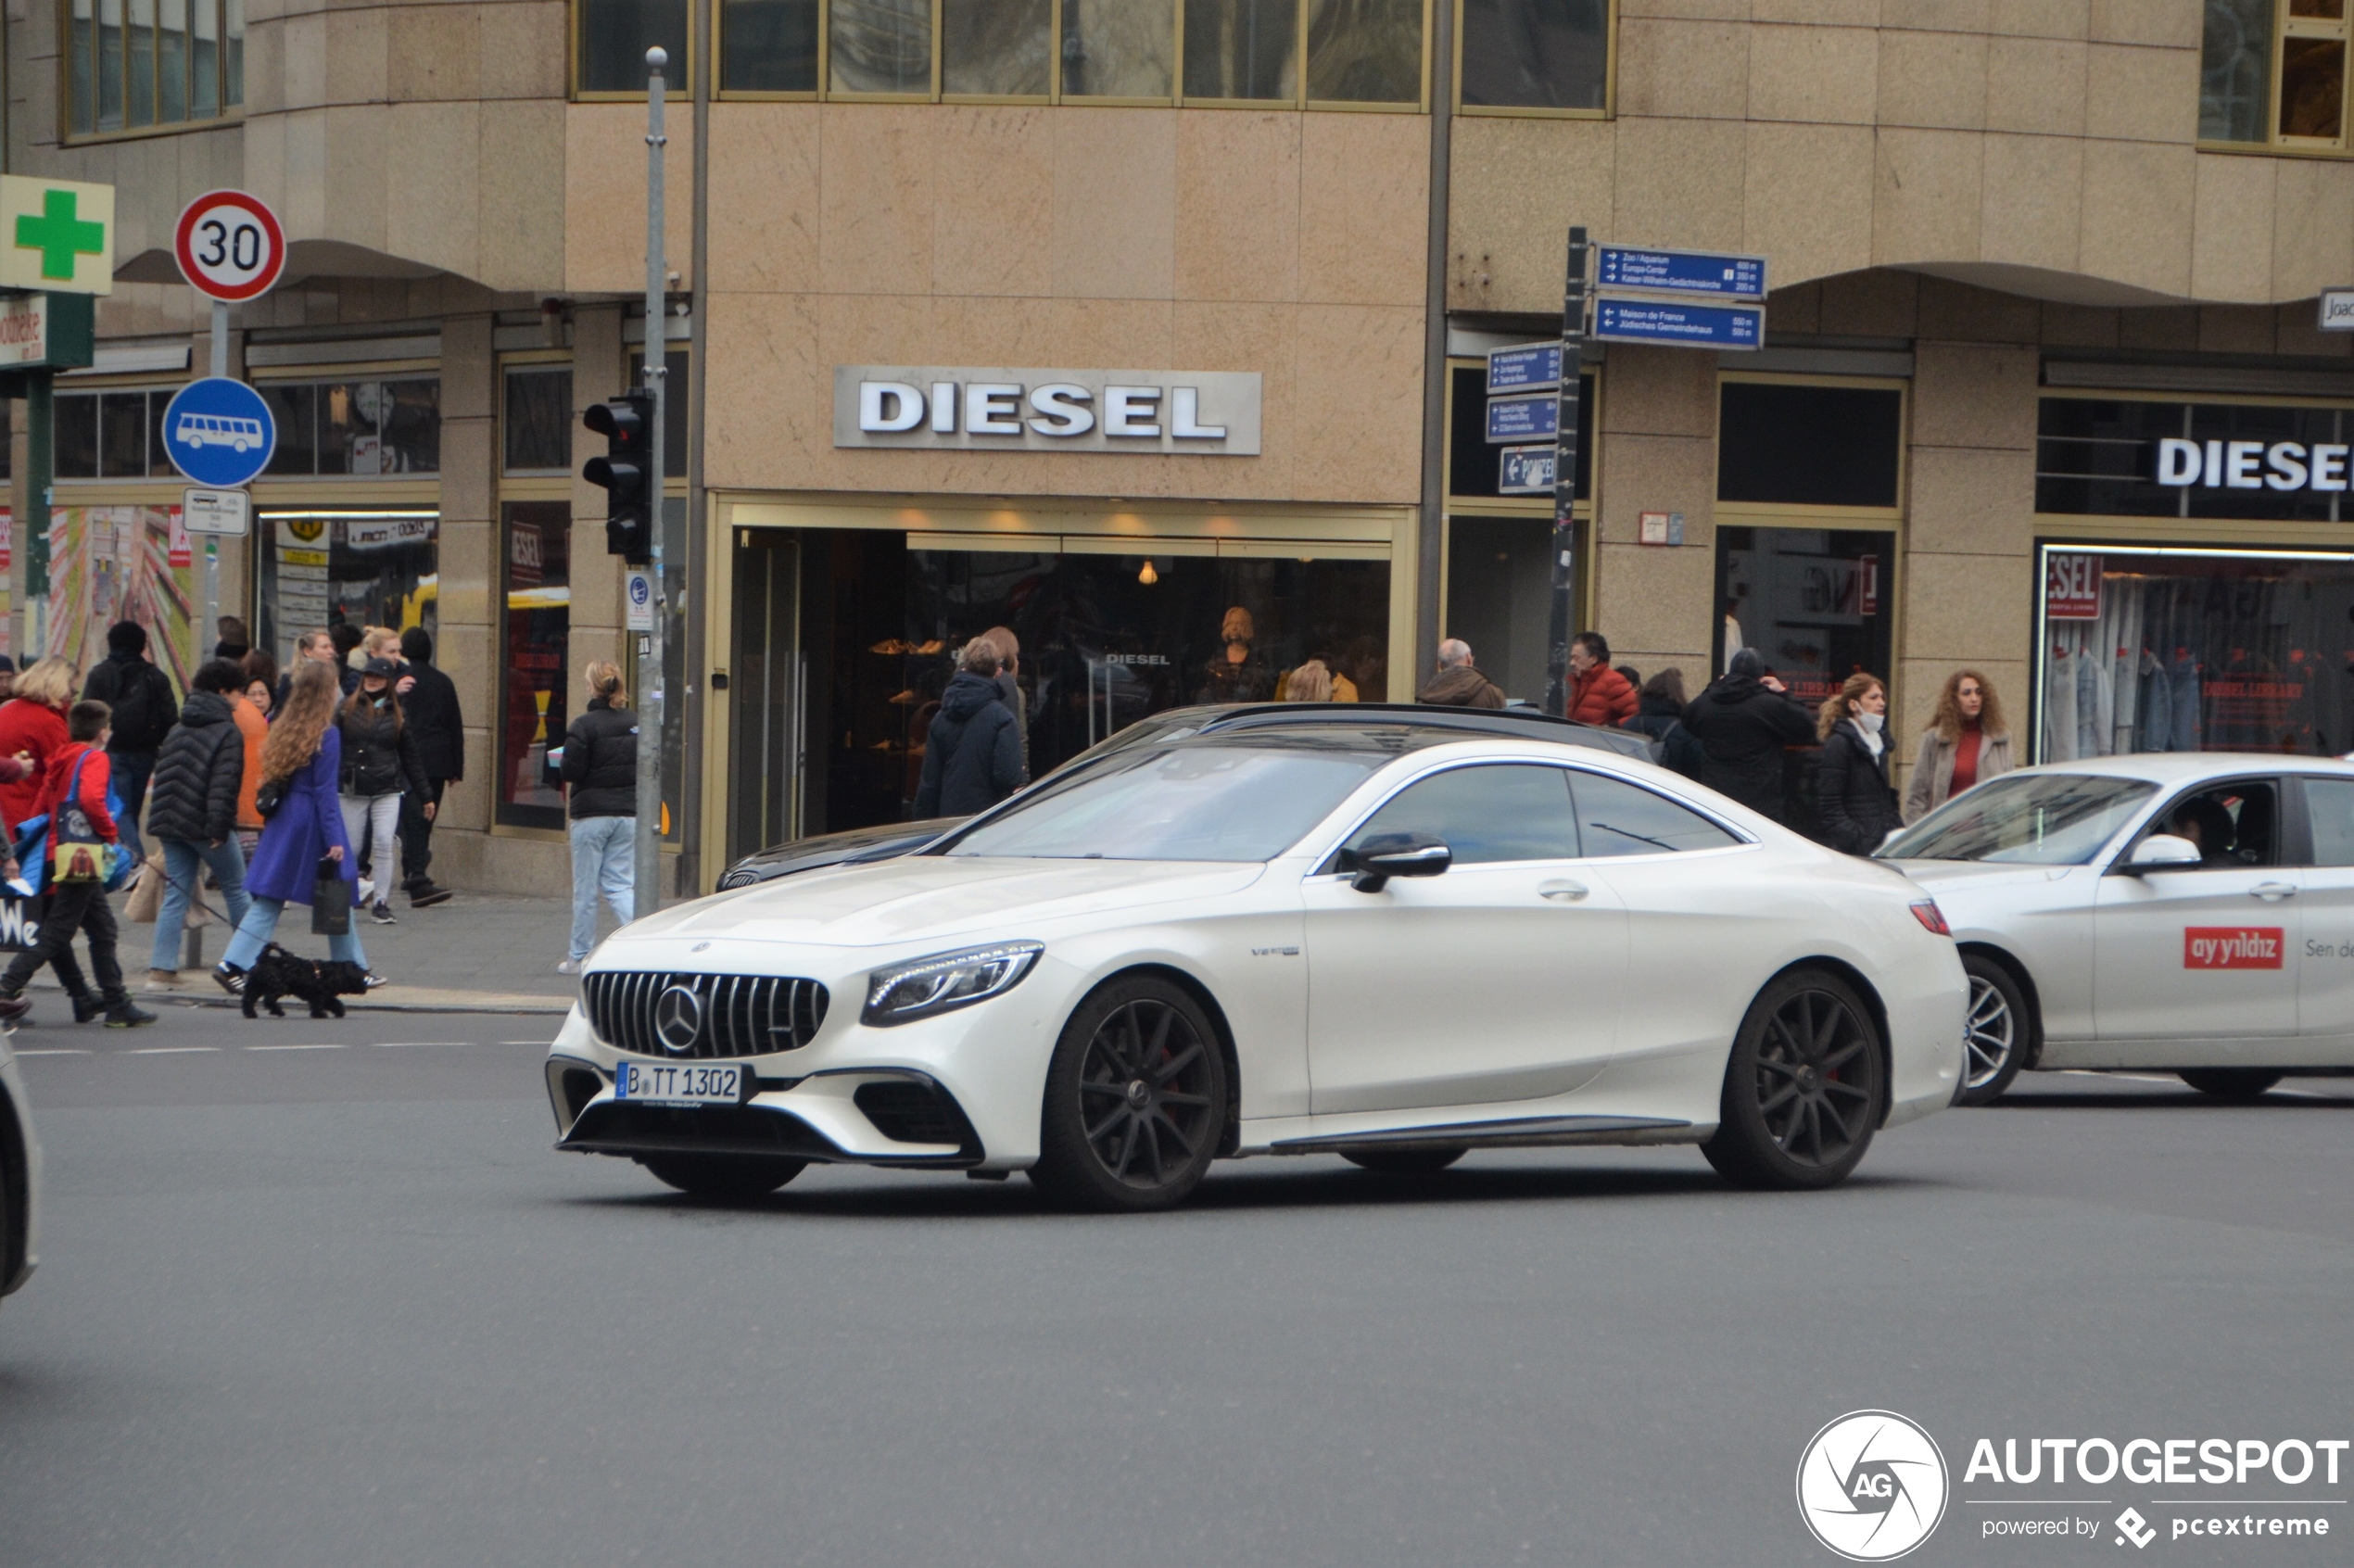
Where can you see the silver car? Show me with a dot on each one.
(20, 1178)
(2190, 913)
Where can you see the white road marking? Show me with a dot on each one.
(332, 1045)
(409, 1045)
(167, 1050)
(64, 1051)
(525, 1042)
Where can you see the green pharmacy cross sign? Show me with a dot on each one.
(59, 236)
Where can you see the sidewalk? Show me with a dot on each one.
(477, 952)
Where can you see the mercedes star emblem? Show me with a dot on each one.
(678, 1019)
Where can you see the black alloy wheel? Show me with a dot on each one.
(1996, 1031)
(1404, 1162)
(1135, 1101)
(1805, 1087)
(724, 1177)
(2230, 1084)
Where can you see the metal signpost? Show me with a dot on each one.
(1564, 553)
(654, 701)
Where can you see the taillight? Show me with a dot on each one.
(1933, 919)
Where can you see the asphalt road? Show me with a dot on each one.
(344, 1305)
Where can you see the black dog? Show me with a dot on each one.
(279, 973)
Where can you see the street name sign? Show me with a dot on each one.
(219, 432)
(56, 235)
(1524, 368)
(1524, 419)
(1672, 321)
(1526, 471)
(1682, 272)
(2337, 309)
(230, 246)
(227, 513)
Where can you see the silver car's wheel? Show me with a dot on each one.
(1995, 1030)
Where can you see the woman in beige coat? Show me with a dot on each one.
(1965, 743)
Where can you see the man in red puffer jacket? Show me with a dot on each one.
(1598, 694)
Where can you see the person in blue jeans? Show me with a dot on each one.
(191, 810)
(303, 758)
(601, 775)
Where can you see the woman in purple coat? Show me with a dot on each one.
(302, 756)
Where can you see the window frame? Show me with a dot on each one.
(224, 112)
(317, 375)
(1533, 111)
(2275, 145)
(677, 84)
(1779, 514)
(1299, 101)
(523, 483)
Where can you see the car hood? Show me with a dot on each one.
(943, 896)
(1969, 876)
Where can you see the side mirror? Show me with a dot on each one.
(2161, 851)
(1399, 854)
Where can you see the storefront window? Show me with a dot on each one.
(2156, 649)
(538, 420)
(537, 621)
(365, 428)
(2127, 456)
(363, 568)
(1535, 53)
(1808, 443)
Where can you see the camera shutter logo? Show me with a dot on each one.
(678, 1019)
(1872, 1486)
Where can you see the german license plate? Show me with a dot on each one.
(679, 1084)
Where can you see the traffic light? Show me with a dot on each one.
(626, 473)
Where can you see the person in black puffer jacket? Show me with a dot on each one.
(192, 810)
(1661, 716)
(379, 764)
(601, 774)
(440, 728)
(1745, 722)
(972, 754)
(140, 697)
(1852, 792)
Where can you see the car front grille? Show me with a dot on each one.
(742, 1015)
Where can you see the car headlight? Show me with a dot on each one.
(907, 992)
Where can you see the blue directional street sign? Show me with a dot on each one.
(1524, 368)
(219, 432)
(1526, 471)
(1667, 321)
(1682, 272)
(1524, 419)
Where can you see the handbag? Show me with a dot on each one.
(80, 856)
(268, 797)
(330, 902)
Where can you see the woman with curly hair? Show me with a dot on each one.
(1966, 742)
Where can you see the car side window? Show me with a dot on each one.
(1616, 817)
(2234, 825)
(1487, 813)
(2329, 806)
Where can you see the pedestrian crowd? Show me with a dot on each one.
(1736, 734)
(317, 786)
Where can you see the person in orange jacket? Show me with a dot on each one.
(80, 765)
(1598, 694)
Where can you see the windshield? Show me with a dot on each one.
(1184, 803)
(2026, 819)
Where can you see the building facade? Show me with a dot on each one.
(1151, 330)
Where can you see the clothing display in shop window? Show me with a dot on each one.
(2060, 706)
(2155, 704)
(2092, 704)
(2184, 677)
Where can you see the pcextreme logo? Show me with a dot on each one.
(2231, 947)
(1872, 1486)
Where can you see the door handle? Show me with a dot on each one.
(1561, 893)
(2272, 892)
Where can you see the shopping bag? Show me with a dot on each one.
(146, 904)
(330, 902)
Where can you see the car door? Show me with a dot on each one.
(2203, 954)
(1497, 979)
(2324, 960)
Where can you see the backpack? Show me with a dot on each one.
(135, 706)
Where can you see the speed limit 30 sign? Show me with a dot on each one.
(230, 246)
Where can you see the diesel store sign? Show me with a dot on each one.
(1210, 412)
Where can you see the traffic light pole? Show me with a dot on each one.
(654, 701)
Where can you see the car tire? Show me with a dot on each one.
(1136, 1101)
(1998, 1028)
(1805, 1087)
(1404, 1162)
(724, 1177)
(2230, 1084)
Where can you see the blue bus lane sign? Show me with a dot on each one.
(219, 432)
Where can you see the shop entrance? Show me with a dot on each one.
(845, 638)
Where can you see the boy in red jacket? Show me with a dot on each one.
(78, 906)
